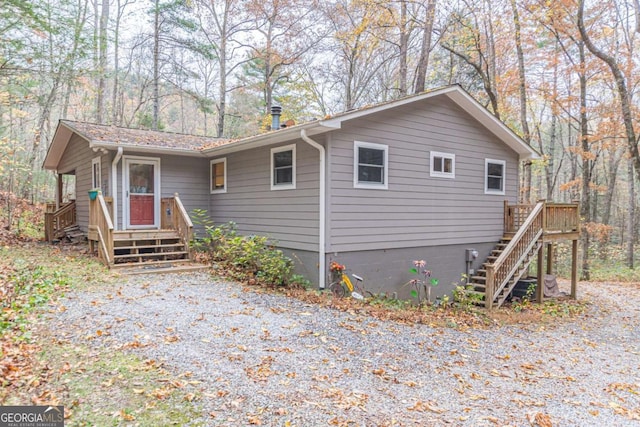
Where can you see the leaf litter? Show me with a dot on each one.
(255, 358)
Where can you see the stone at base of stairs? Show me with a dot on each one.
(163, 268)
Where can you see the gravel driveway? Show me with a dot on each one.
(275, 361)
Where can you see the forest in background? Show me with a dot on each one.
(562, 74)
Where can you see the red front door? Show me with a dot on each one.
(141, 193)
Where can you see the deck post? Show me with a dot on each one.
(58, 190)
(490, 288)
(549, 258)
(505, 219)
(574, 269)
(540, 280)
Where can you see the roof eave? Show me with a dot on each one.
(61, 139)
(492, 123)
(112, 146)
(270, 138)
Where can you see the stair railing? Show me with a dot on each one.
(175, 217)
(101, 228)
(505, 266)
(57, 220)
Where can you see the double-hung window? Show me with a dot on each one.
(443, 165)
(370, 166)
(494, 176)
(218, 176)
(96, 173)
(283, 167)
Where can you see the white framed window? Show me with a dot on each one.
(494, 176)
(283, 167)
(370, 165)
(218, 175)
(96, 173)
(443, 165)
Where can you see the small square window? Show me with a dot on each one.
(218, 176)
(494, 180)
(283, 167)
(443, 165)
(370, 165)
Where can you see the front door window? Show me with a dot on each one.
(141, 191)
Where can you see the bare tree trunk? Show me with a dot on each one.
(116, 118)
(222, 89)
(404, 47)
(156, 70)
(636, 4)
(621, 86)
(632, 215)
(614, 163)
(585, 205)
(522, 86)
(102, 61)
(425, 48)
(549, 169)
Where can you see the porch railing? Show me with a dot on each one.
(558, 217)
(175, 217)
(101, 229)
(55, 221)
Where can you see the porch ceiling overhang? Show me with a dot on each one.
(455, 93)
(59, 143)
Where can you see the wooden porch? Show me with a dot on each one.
(527, 230)
(167, 248)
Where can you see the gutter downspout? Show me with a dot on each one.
(114, 186)
(322, 203)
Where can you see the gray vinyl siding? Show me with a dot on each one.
(187, 176)
(418, 210)
(77, 157)
(289, 217)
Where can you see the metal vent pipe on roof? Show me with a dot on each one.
(276, 110)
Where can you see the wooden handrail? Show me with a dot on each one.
(175, 217)
(100, 222)
(504, 267)
(183, 224)
(57, 220)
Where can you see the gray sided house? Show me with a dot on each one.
(421, 178)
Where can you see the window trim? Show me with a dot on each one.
(356, 163)
(503, 163)
(442, 174)
(213, 190)
(96, 161)
(292, 184)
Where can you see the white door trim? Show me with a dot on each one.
(155, 161)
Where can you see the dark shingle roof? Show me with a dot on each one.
(142, 137)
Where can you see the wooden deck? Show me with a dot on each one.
(527, 230)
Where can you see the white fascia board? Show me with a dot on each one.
(270, 138)
(493, 124)
(147, 149)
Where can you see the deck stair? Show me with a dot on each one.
(153, 248)
(509, 260)
(478, 281)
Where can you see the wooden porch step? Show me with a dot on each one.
(164, 266)
(149, 254)
(145, 246)
(144, 235)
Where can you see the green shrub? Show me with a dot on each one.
(243, 257)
